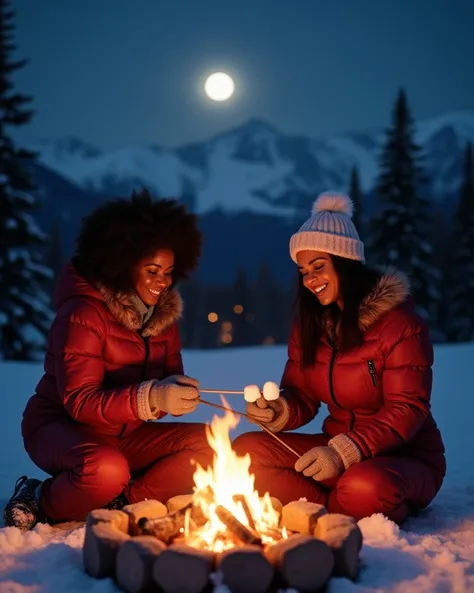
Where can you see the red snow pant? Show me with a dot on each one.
(393, 486)
(89, 470)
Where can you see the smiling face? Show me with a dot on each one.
(319, 276)
(152, 276)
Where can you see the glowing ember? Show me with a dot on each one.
(229, 479)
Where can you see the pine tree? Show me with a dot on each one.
(460, 295)
(24, 304)
(400, 226)
(355, 194)
(54, 255)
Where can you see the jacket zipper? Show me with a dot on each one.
(331, 385)
(147, 356)
(373, 372)
(144, 367)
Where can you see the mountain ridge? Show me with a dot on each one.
(254, 167)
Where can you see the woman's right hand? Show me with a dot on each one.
(272, 413)
(175, 395)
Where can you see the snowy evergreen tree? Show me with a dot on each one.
(460, 292)
(24, 304)
(54, 257)
(400, 227)
(355, 194)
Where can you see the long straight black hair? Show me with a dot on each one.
(356, 281)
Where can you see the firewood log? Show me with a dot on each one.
(183, 569)
(152, 509)
(170, 526)
(344, 537)
(134, 564)
(102, 542)
(303, 562)
(245, 569)
(242, 532)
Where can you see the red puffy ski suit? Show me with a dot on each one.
(378, 394)
(82, 424)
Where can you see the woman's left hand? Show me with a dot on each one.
(320, 463)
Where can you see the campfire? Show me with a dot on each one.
(225, 509)
(225, 531)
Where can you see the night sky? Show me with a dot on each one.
(121, 72)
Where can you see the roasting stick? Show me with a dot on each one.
(221, 391)
(262, 426)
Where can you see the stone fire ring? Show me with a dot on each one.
(320, 545)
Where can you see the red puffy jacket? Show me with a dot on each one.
(97, 357)
(378, 394)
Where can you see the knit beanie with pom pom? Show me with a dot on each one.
(330, 229)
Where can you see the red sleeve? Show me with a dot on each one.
(78, 339)
(303, 406)
(407, 381)
(174, 359)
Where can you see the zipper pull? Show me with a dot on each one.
(373, 372)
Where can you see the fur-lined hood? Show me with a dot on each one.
(392, 288)
(167, 311)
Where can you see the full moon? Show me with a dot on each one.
(219, 86)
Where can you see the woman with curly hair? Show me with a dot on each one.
(358, 346)
(113, 362)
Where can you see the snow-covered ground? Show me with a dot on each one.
(434, 553)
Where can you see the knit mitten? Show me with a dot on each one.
(320, 463)
(347, 449)
(175, 395)
(273, 414)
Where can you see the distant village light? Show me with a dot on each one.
(213, 317)
(226, 338)
(238, 309)
(227, 326)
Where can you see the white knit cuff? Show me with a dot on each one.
(348, 451)
(281, 420)
(336, 244)
(143, 400)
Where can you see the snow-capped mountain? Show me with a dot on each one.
(255, 167)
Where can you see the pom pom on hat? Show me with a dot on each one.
(333, 202)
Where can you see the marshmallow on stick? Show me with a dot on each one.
(271, 391)
(251, 393)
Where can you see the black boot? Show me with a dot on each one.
(117, 503)
(23, 509)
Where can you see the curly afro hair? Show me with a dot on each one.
(120, 232)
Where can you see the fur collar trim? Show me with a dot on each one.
(167, 311)
(392, 288)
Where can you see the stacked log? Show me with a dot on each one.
(143, 549)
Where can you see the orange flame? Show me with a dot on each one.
(229, 476)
